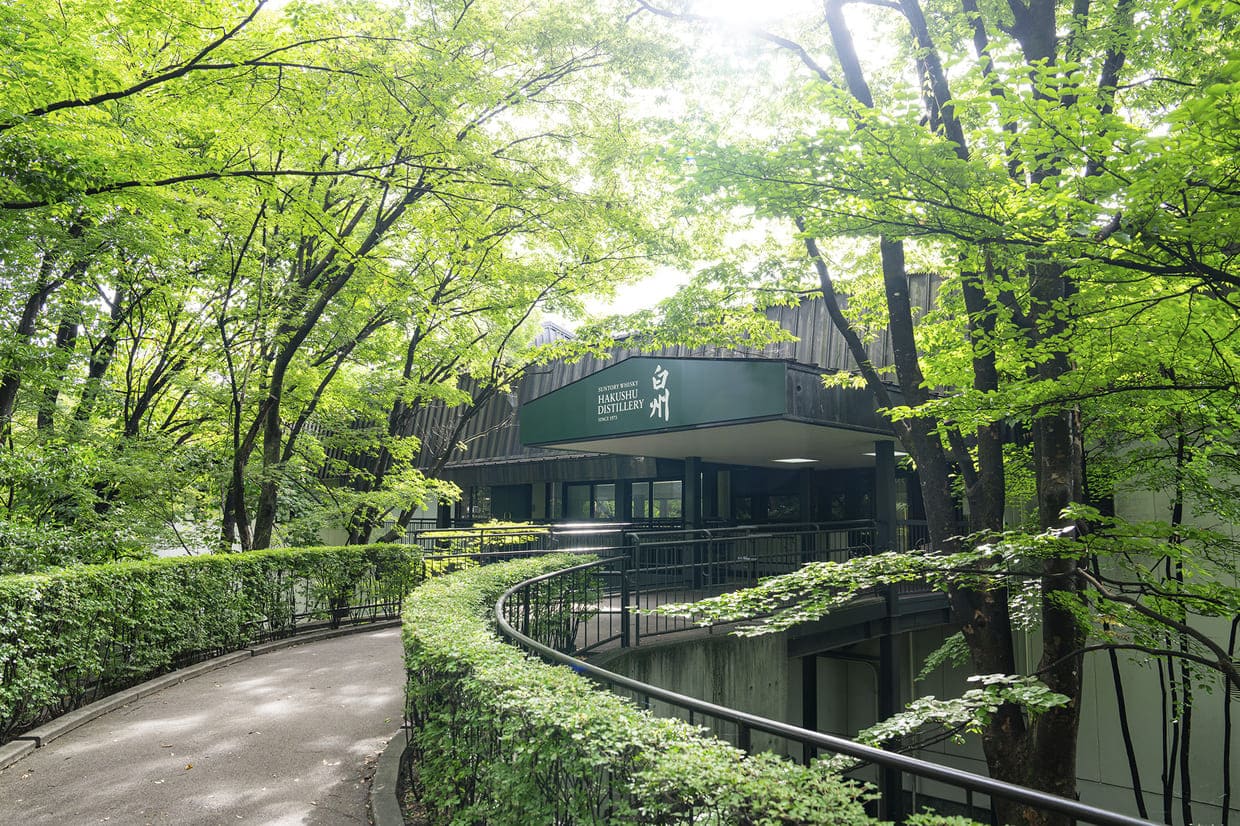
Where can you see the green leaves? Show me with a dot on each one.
(969, 713)
(74, 634)
(806, 594)
(505, 739)
(241, 238)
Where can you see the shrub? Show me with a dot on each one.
(501, 738)
(486, 537)
(26, 547)
(455, 549)
(71, 635)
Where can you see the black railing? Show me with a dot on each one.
(665, 566)
(480, 539)
(295, 602)
(514, 538)
(684, 566)
(586, 607)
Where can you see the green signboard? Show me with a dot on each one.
(641, 395)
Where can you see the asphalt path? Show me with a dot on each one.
(288, 738)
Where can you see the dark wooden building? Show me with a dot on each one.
(682, 436)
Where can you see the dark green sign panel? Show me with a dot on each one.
(640, 395)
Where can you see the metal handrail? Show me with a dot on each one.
(734, 531)
(838, 745)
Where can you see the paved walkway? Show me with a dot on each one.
(283, 739)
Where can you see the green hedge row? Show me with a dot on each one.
(71, 635)
(501, 738)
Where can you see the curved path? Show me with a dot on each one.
(289, 738)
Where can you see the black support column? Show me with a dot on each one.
(805, 495)
(624, 500)
(885, 495)
(891, 785)
(710, 492)
(693, 491)
(809, 702)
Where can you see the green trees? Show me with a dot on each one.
(1050, 163)
(238, 242)
(234, 237)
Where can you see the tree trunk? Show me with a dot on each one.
(333, 275)
(66, 343)
(365, 519)
(269, 416)
(1057, 456)
(100, 360)
(45, 285)
(11, 380)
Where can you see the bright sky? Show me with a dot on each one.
(666, 280)
(643, 294)
(776, 16)
(750, 12)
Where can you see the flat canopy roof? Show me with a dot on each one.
(730, 411)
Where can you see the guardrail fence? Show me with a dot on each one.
(566, 614)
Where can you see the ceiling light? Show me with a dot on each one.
(795, 460)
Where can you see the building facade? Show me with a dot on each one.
(682, 437)
(713, 437)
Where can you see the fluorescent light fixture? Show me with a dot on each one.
(897, 453)
(795, 460)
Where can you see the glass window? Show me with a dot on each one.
(479, 503)
(577, 503)
(667, 500)
(604, 501)
(783, 509)
(641, 501)
(538, 502)
(511, 502)
(555, 503)
(742, 509)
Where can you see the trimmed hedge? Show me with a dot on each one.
(502, 738)
(71, 635)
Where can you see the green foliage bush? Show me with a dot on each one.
(501, 738)
(71, 635)
(453, 549)
(26, 547)
(495, 534)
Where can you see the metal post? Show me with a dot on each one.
(697, 559)
(885, 495)
(809, 703)
(693, 492)
(624, 600)
(890, 779)
(635, 591)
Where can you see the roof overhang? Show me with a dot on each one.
(729, 411)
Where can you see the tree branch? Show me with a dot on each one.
(171, 74)
(782, 42)
(1224, 662)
